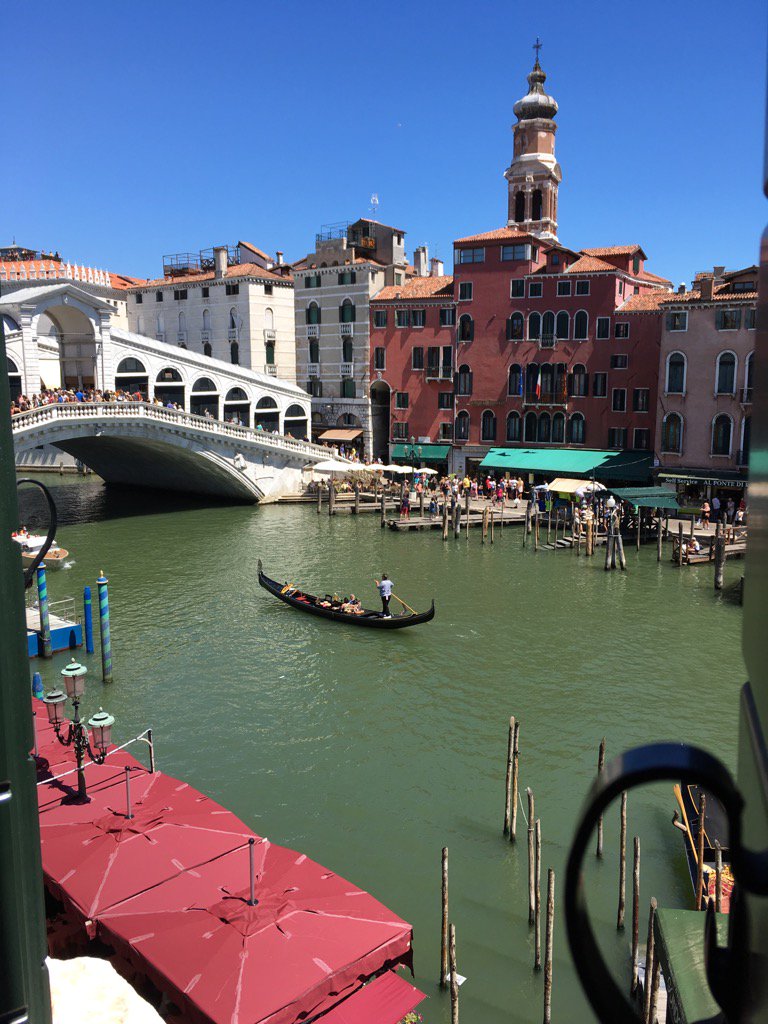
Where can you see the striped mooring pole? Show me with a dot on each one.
(45, 618)
(88, 619)
(106, 640)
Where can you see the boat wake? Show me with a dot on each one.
(68, 565)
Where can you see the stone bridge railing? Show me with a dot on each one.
(103, 412)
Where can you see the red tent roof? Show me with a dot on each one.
(385, 1000)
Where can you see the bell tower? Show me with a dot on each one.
(534, 175)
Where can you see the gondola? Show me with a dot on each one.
(309, 603)
(688, 799)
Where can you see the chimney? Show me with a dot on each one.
(436, 268)
(719, 271)
(420, 260)
(220, 260)
(279, 258)
(681, 288)
(706, 288)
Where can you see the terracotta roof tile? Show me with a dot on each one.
(721, 294)
(649, 303)
(239, 270)
(259, 252)
(648, 276)
(614, 250)
(54, 270)
(590, 265)
(417, 288)
(498, 234)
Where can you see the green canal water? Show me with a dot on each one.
(370, 751)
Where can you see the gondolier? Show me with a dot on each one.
(385, 590)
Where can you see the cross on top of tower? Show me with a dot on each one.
(537, 46)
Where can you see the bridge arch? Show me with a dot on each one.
(131, 375)
(237, 407)
(266, 414)
(170, 387)
(14, 379)
(295, 423)
(204, 398)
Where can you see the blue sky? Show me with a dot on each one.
(133, 130)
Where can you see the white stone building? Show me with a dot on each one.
(231, 303)
(333, 287)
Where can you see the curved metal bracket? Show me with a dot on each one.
(29, 572)
(674, 762)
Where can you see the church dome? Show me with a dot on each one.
(536, 103)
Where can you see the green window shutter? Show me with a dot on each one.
(354, 313)
(719, 319)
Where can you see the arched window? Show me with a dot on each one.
(488, 426)
(563, 323)
(576, 429)
(515, 384)
(313, 313)
(672, 433)
(269, 319)
(520, 207)
(206, 319)
(204, 384)
(722, 428)
(237, 407)
(347, 350)
(545, 428)
(531, 426)
(14, 379)
(236, 395)
(13, 368)
(462, 426)
(266, 415)
(204, 398)
(295, 421)
(558, 428)
(675, 374)
(531, 383)
(515, 325)
(513, 426)
(234, 353)
(233, 319)
(314, 350)
(347, 312)
(466, 327)
(579, 381)
(548, 326)
(581, 326)
(534, 326)
(547, 381)
(464, 380)
(536, 204)
(725, 378)
(207, 349)
(131, 365)
(169, 376)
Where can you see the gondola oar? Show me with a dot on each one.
(402, 602)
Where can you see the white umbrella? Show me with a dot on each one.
(429, 472)
(404, 470)
(332, 466)
(588, 488)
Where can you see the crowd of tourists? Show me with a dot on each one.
(52, 396)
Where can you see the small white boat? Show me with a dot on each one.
(31, 543)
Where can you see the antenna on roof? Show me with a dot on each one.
(374, 204)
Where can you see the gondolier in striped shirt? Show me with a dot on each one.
(385, 590)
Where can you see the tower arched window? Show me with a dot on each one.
(548, 325)
(725, 378)
(466, 327)
(534, 326)
(314, 350)
(531, 426)
(515, 324)
(722, 429)
(269, 353)
(545, 428)
(206, 320)
(233, 319)
(462, 426)
(313, 313)
(347, 350)
(513, 426)
(562, 325)
(515, 382)
(520, 207)
(672, 433)
(576, 428)
(269, 319)
(347, 312)
(536, 204)
(581, 326)
(234, 353)
(676, 367)
(558, 428)
(464, 380)
(488, 426)
(579, 381)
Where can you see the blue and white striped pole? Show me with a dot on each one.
(88, 619)
(45, 619)
(106, 640)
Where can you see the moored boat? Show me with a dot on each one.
(715, 827)
(329, 607)
(31, 545)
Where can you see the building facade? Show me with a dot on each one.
(706, 381)
(232, 303)
(333, 289)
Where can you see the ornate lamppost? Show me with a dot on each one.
(413, 450)
(77, 734)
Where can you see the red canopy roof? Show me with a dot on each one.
(385, 1000)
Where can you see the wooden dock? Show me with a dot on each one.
(510, 517)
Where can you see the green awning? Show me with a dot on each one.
(679, 939)
(421, 452)
(579, 462)
(647, 497)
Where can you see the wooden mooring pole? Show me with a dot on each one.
(454, 977)
(700, 901)
(445, 518)
(649, 960)
(331, 499)
(466, 510)
(619, 550)
(635, 914)
(383, 507)
(537, 900)
(508, 779)
(492, 518)
(718, 878)
(548, 946)
(319, 496)
(444, 928)
(680, 543)
(421, 502)
(622, 862)
(600, 769)
(527, 528)
(515, 782)
(659, 541)
(719, 559)
(531, 858)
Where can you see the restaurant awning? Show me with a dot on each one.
(723, 479)
(422, 452)
(566, 485)
(647, 497)
(385, 1000)
(571, 461)
(340, 434)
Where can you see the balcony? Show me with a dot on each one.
(433, 372)
(313, 330)
(313, 369)
(746, 396)
(547, 341)
(546, 398)
(205, 336)
(269, 334)
(346, 330)
(347, 369)
(232, 334)
(270, 369)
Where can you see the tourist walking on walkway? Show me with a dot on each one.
(385, 590)
(705, 514)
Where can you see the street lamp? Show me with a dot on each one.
(77, 734)
(413, 450)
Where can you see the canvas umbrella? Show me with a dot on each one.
(307, 940)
